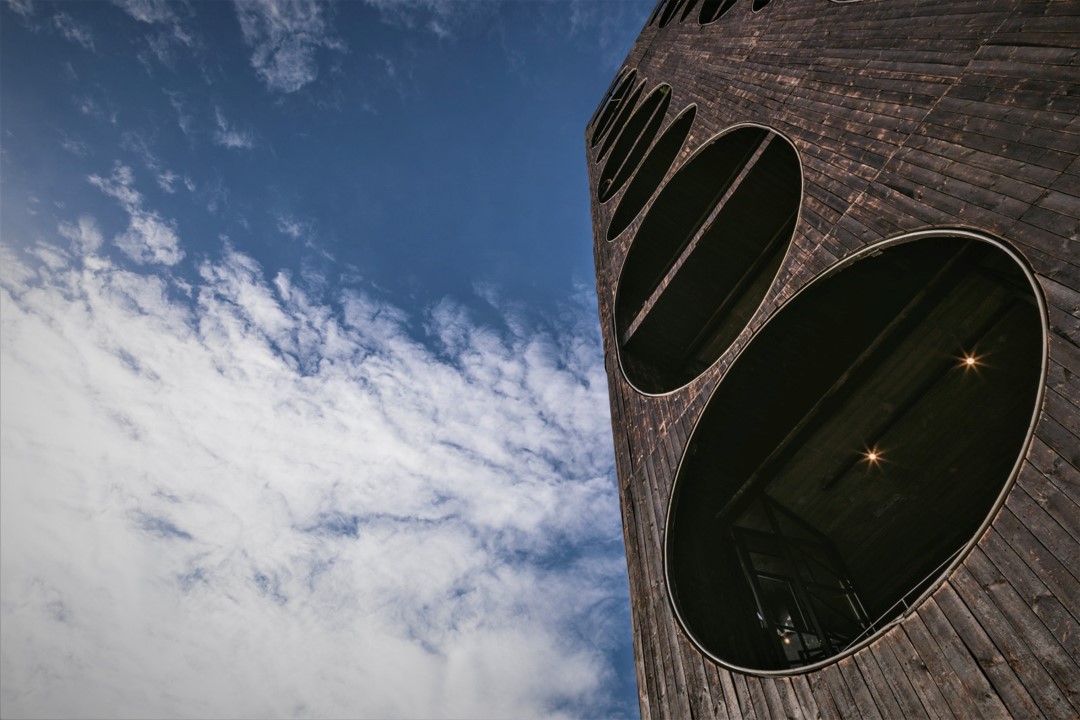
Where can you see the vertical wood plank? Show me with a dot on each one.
(909, 700)
(1035, 678)
(876, 683)
(921, 680)
(1009, 687)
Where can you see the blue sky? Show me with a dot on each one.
(302, 402)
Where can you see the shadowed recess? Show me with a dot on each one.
(635, 139)
(670, 12)
(853, 450)
(652, 172)
(713, 10)
(705, 255)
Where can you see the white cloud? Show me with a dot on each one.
(254, 504)
(162, 43)
(291, 226)
(441, 18)
(149, 238)
(183, 117)
(24, 8)
(148, 11)
(166, 179)
(302, 230)
(75, 147)
(85, 234)
(285, 36)
(73, 30)
(231, 137)
(87, 105)
(610, 27)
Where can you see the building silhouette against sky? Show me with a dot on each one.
(838, 258)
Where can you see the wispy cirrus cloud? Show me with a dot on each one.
(612, 27)
(166, 179)
(149, 11)
(184, 118)
(255, 503)
(149, 238)
(169, 34)
(24, 8)
(73, 30)
(285, 37)
(227, 135)
(75, 147)
(439, 17)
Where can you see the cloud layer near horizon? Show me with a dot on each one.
(234, 499)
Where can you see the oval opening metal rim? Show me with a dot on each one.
(965, 550)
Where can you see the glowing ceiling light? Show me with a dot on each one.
(970, 361)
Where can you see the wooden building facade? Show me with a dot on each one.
(838, 266)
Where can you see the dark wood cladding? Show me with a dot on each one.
(907, 115)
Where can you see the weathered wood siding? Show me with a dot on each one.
(907, 115)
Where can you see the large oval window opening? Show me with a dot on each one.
(853, 450)
(635, 139)
(652, 171)
(704, 256)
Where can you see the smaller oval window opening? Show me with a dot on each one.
(652, 172)
(615, 130)
(705, 256)
(713, 10)
(615, 81)
(612, 107)
(635, 139)
(853, 450)
(670, 12)
(660, 6)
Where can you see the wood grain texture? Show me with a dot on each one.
(907, 115)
